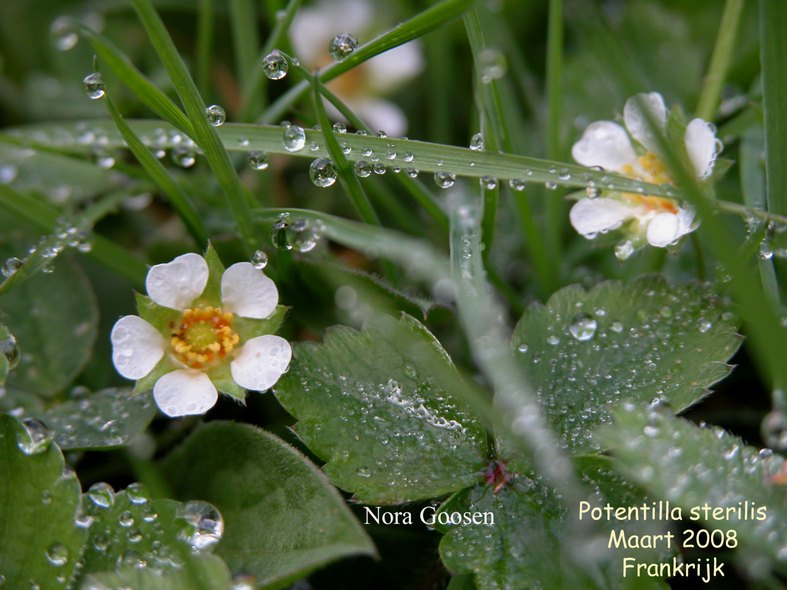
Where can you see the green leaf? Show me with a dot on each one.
(534, 543)
(54, 318)
(282, 518)
(207, 570)
(692, 466)
(650, 340)
(380, 407)
(39, 541)
(105, 419)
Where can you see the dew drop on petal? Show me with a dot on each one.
(204, 524)
(215, 115)
(94, 86)
(342, 45)
(275, 65)
(34, 437)
(322, 172)
(583, 327)
(293, 138)
(258, 160)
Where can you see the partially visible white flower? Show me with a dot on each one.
(660, 221)
(362, 88)
(196, 344)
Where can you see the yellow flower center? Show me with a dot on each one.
(203, 335)
(655, 172)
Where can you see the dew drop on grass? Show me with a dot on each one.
(322, 172)
(10, 350)
(184, 156)
(339, 127)
(258, 160)
(488, 183)
(275, 66)
(94, 86)
(444, 179)
(8, 172)
(342, 45)
(765, 250)
(34, 437)
(477, 142)
(279, 233)
(215, 115)
(293, 138)
(204, 524)
(101, 495)
(363, 169)
(303, 236)
(57, 554)
(517, 184)
(549, 185)
(259, 260)
(378, 168)
(583, 327)
(408, 157)
(63, 33)
(492, 65)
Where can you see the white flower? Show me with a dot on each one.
(360, 89)
(199, 334)
(661, 221)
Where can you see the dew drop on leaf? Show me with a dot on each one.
(444, 179)
(216, 115)
(517, 184)
(10, 350)
(34, 437)
(57, 554)
(293, 138)
(363, 169)
(583, 327)
(101, 495)
(258, 160)
(204, 524)
(94, 86)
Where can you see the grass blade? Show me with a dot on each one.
(245, 41)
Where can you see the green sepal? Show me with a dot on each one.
(162, 318)
(248, 328)
(221, 376)
(211, 295)
(164, 366)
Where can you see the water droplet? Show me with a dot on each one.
(258, 160)
(275, 65)
(303, 236)
(774, 430)
(322, 172)
(412, 172)
(624, 250)
(765, 250)
(363, 169)
(378, 168)
(34, 437)
(553, 340)
(339, 127)
(704, 325)
(390, 152)
(184, 156)
(522, 348)
(517, 184)
(293, 138)
(63, 33)
(8, 172)
(10, 350)
(444, 179)
(259, 260)
(103, 158)
(279, 233)
(126, 519)
(549, 185)
(346, 148)
(477, 142)
(215, 115)
(101, 494)
(583, 327)
(492, 64)
(204, 524)
(57, 554)
(488, 183)
(94, 86)
(342, 45)
(363, 471)
(616, 327)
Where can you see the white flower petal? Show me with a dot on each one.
(388, 71)
(261, 362)
(381, 115)
(591, 216)
(178, 283)
(701, 146)
(246, 291)
(685, 221)
(604, 144)
(137, 347)
(663, 229)
(185, 392)
(637, 123)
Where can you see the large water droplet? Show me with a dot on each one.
(34, 437)
(101, 494)
(275, 65)
(204, 524)
(444, 179)
(279, 233)
(293, 138)
(258, 160)
(215, 115)
(342, 45)
(363, 169)
(57, 554)
(10, 350)
(94, 86)
(322, 172)
(303, 236)
(477, 142)
(259, 260)
(583, 327)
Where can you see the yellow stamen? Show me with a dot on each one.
(202, 336)
(655, 172)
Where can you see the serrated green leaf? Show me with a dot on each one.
(39, 542)
(692, 466)
(374, 404)
(55, 319)
(651, 340)
(208, 570)
(105, 419)
(534, 543)
(282, 518)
